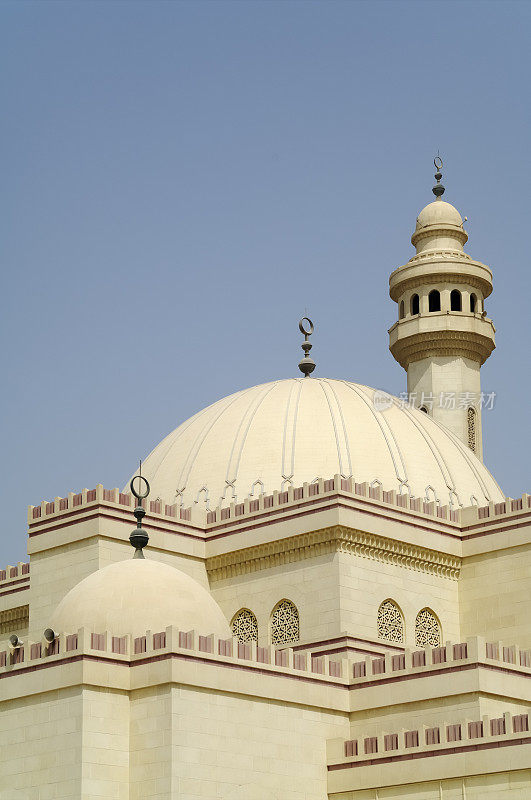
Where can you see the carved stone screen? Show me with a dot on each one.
(427, 629)
(285, 623)
(390, 622)
(245, 626)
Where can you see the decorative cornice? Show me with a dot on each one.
(439, 229)
(432, 344)
(329, 540)
(447, 252)
(13, 618)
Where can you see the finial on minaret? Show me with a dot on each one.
(307, 365)
(139, 537)
(438, 189)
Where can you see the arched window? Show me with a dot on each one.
(423, 408)
(434, 300)
(244, 626)
(285, 623)
(471, 427)
(401, 312)
(390, 622)
(473, 303)
(455, 300)
(415, 304)
(427, 629)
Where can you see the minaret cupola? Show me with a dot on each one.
(443, 335)
(439, 227)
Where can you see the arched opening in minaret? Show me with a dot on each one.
(415, 304)
(401, 312)
(423, 408)
(455, 300)
(473, 303)
(434, 300)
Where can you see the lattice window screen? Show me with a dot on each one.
(390, 622)
(427, 629)
(285, 623)
(245, 626)
(471, 421)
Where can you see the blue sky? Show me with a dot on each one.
(181, 181)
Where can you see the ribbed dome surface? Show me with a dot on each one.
(296, 430)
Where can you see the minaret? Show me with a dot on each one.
(443, 334)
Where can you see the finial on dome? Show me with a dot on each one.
(438, 189)
(139, 537)
(307, 365)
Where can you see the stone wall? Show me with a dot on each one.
(494, 592)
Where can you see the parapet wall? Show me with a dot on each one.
(100, 495)
(474, 650)
(335, 485)
(130, 648)
(20, 570)
(200, 514)
(450, 736)
(14, 608)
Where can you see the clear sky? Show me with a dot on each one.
(182, 180)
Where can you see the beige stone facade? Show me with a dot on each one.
(334, 601)
(185, 714)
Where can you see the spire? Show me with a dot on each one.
(438, 189)
(139, 537)
(307, 365)
(439, 225)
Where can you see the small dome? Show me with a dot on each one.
(136, 595)
(291, 431)
(439, 213)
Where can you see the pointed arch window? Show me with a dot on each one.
(285, 625)
(415, 304)
(427, 629)
(455, 300)
(401, 312)
(245, 626)
(434, 300)
(390, 622)
(473, 303)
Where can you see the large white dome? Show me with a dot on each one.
(296, 430)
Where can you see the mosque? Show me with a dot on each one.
(327, 598)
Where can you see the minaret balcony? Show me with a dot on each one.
(442, 333)
(438, 269)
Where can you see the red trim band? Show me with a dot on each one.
(466, 748)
